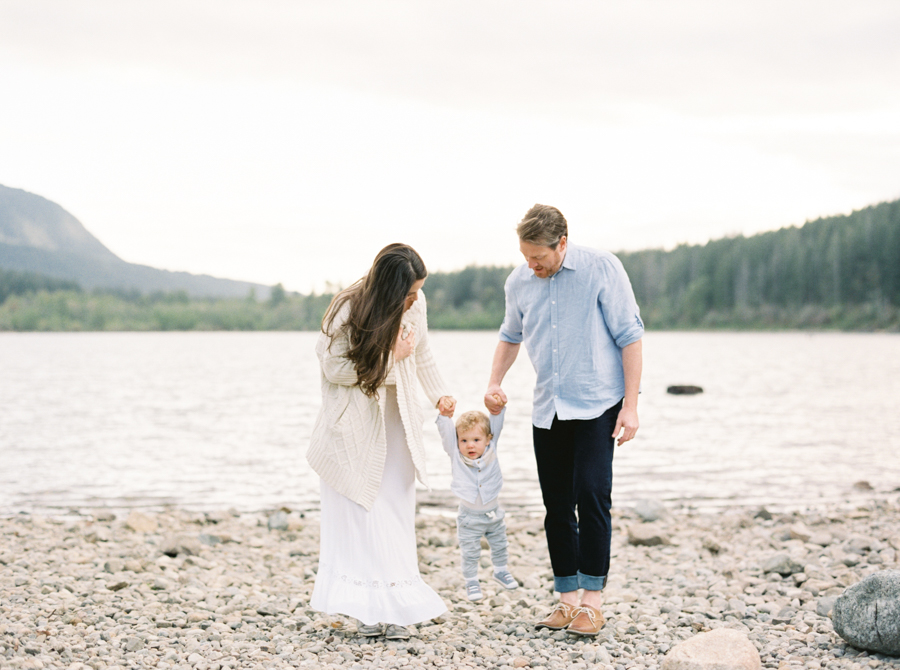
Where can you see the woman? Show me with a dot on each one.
(367, 447)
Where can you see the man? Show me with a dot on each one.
(574, 309)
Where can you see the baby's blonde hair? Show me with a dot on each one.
(469, 420)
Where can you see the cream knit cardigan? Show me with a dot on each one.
(348, 444)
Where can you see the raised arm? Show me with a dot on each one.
(447, 431)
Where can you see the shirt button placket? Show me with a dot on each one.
(554, 335)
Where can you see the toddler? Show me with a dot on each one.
(472, 447)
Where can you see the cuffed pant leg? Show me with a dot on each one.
(469, 547)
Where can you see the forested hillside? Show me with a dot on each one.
(841, 272)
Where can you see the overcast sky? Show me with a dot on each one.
(288, 141)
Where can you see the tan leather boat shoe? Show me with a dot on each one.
(587, 621)
(559, 618)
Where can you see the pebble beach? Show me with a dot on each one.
(211, 591)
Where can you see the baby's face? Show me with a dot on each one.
(472, 442)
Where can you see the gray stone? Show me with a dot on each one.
(267, 609)
(800, 532)
(821, 538)
(783, 565)
(209, 540)
(647, 535)
(720, 649)
(867, 614)
(159, 584)
(180, 544)
(278, 521)
(785, 615)
(737, 605)
(825, 605)
(133, 643)
(650, 510)
(114, 565)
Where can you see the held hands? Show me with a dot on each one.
(627, 424)
(404, 345)
(447, 405)
(495, 399)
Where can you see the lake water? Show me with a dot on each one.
(217, 420)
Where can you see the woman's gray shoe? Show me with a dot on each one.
(395, 632)
(370, 630)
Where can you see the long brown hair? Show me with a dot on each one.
(376, 307)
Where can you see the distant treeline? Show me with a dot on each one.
(837, 272)
(840, 272)
(67, 308)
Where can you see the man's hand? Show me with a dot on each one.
(447, 405)
(404, 346)
(627, 424)
(495, 399)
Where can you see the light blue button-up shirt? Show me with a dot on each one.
(574, 326)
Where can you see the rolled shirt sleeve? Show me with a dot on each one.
(616, 299)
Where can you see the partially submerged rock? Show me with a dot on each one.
(684, 389)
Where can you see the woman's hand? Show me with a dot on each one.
(447, 405)
(404, 346)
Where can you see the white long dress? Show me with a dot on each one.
(368, 566)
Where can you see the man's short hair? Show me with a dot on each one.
(544, 226)
(472, 419)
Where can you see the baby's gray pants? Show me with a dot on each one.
(471, 527)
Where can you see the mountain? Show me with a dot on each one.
(37, 235)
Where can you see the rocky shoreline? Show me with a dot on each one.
(225, 590)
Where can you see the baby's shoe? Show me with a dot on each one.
(506, 579)
(473, 590)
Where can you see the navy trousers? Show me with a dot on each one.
(574, 462)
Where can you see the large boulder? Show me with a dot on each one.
(867, 614)
(720, 649)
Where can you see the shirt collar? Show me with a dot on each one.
(568, 261)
